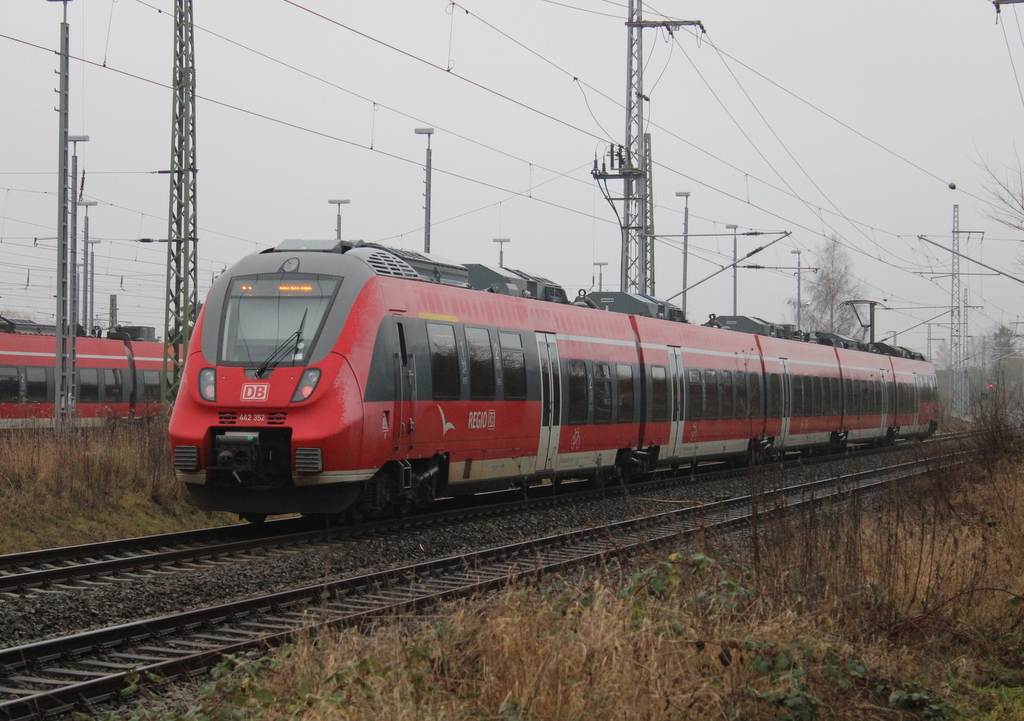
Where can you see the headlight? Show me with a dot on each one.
(307, 384)
(208, 384)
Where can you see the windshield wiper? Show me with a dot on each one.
(290, 343)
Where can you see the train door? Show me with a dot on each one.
(550, 401)
(915, 420)
(887, 407)
(677, 386)
(786, 411)
(403, 422)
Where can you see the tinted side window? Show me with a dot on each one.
(444, 361)
(602, 393)
(577, 371)
(112, 385)
(659, 393)
(481, 364)
(9, 384)
(695, 409)
(728, 404)
(513, 365)
(741, 394)
(711, 399)
(36, 386)
(774, 395)
(625, 382)
(88, 385)
(754, 391)
(151, 389)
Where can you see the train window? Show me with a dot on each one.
(711, 404)
(577, 372)
(741, 394)
(274, 317)
(402, 351)
(848, 397)
(774, 395)
(728, 395)
(9, 391)
(513, 365)
(834, 400)
(659, 393)
(151, 386)
(602, 393)
(626, 395)
(798, 396)
(820, 395)
(444, 361)
(481, 364)
(36, 385)
(695, 409)
(88, 385)
(754, 392)
(112, 385)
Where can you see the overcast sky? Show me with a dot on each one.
(809, 116)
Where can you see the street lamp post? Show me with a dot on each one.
(339, 202)
(799, 300)
(600, 275)
(87, 285)
(501, 250)
(735, 260)
(685, 194)
(426, 206)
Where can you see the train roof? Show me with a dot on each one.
(412, 265)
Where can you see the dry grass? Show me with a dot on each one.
(90, 485)
(901, 607)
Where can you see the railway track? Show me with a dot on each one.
(60, 675)
(75, 568)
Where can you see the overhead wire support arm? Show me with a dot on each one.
(724, 268)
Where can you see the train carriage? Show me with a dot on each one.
(321, 379)
(115, 379)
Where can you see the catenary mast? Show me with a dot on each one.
(631, 163)
(182, 229)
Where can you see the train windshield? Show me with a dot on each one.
(275, 319)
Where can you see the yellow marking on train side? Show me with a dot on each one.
(438, 316)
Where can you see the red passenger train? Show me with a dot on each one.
(115, 378)
(353, 376)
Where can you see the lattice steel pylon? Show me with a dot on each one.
(957, 367)
(182, 230)
(631, 163)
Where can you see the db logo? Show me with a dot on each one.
(255, 391)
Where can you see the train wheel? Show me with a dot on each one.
(354, 516)
(256, 518)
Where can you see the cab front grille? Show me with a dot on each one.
(309, 460)
(186, 458)
(228, 418)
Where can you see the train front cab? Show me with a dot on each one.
(269, 415)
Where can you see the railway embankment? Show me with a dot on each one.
(905, 604)
(91, 484)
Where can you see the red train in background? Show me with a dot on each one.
(326, 377)
(116, 378)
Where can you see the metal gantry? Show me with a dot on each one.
(631, 163)
(182, 229)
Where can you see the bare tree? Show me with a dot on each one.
(827, 289)
(1005, 190)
